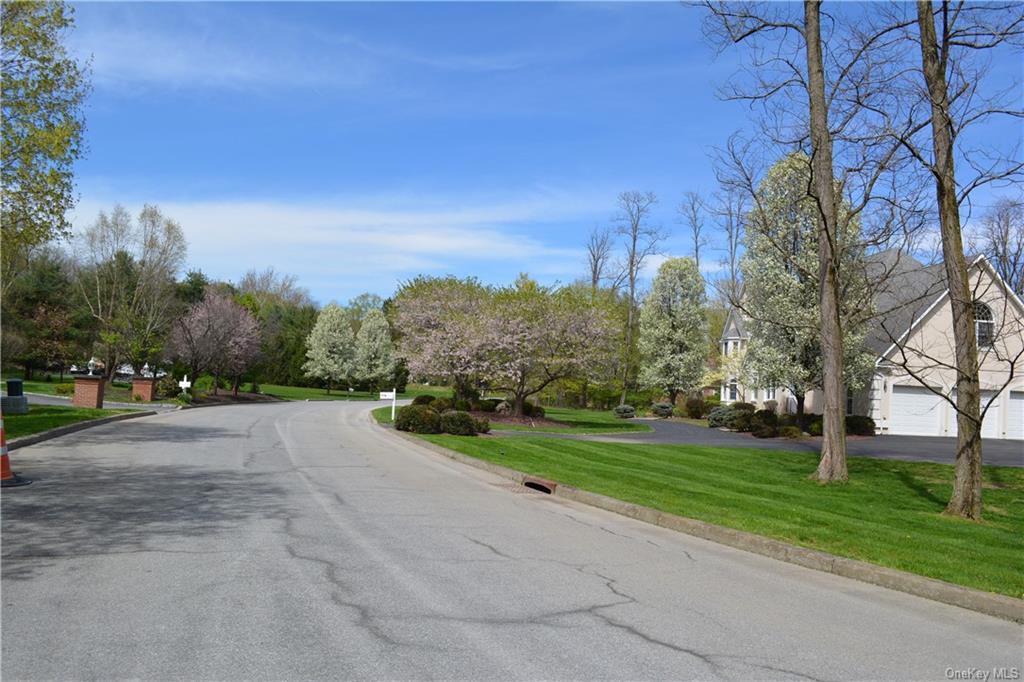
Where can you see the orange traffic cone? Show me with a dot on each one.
(8, 479)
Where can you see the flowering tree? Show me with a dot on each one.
(374, 354)
(331, 347)
(781, 287)
(536, 335)
(673, 329)
(439, 320)
(218, 335)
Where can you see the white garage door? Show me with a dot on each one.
(915, 411)
(1015, 415)
(989, 426)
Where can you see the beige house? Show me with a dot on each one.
(914, 379)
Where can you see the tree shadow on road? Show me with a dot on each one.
(141, 431)
(83, 508)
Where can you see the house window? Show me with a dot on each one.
(983, 325)
(769, 394)
(733, 390)
(756, 391)
(849, 401)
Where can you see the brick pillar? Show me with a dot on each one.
(144, 389)
(88, 391)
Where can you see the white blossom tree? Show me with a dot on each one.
(330, 347)
(374, 354)
(673, 329)
(781, 287)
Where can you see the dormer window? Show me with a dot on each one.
(984, 326)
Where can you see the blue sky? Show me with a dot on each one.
(356, 145)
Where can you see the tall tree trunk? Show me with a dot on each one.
(966, 498)
(629, 344)
(832, 466)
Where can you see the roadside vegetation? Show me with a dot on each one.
(889, 513)
(45, 417)
(307, 393)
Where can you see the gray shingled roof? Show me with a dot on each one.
(907, 288)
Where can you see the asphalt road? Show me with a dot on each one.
(298, 541)
(42, 399)
(999, 452)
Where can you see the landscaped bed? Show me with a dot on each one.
(890, 513)
(45, 417)
(556, 420)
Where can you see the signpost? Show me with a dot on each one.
(391, 395)
(185, 384)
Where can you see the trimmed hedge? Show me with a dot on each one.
(792, 432)
(64, 389)
(663, 410)
(625, 411)
(442, 405)
(418, 419)
(423, 400)
(458, 423)
(696, 408)
(858, 425)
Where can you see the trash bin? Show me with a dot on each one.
(15, 388)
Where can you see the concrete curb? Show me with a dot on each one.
(1000, 606)
(72, 428)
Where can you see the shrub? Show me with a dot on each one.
(663, 410)
(64, 389)
(442, 405)
(814, 424)
(764, 424)
(168, 386)
(532, 410)
(696, 408)
(458, 423)
(742, 420)
(625, 411)
(462, 405)
(483, 426)
(711, 402)
(185, 398)
(418, 419)
(718, 416)
(791, 432)
(423, 400)
(787, 420)
(858, 425)
(487, 405)
(746, 407)
(772, 405)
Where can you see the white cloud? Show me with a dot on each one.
(336, 250)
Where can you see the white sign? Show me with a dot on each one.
(387, 395)
(185, 383)
(391, 395)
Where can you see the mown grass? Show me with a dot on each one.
(890, 512)
(578, 421)
(44, 417)
(303, 393)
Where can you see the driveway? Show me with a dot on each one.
(294, 541)
(909, 448)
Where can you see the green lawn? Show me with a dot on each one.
(45, 417)
(579, 421)
(890, 513)
(300, 393)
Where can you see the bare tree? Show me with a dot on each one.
(641, 240)
(599, 256)
(270, 286)
(125, 272)
(1001, 239)
(818, 91)
(730, 212)
(691, 212)
(954, 101)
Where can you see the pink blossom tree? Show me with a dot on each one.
(536, 335)
(217, 335)
(440, 323)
